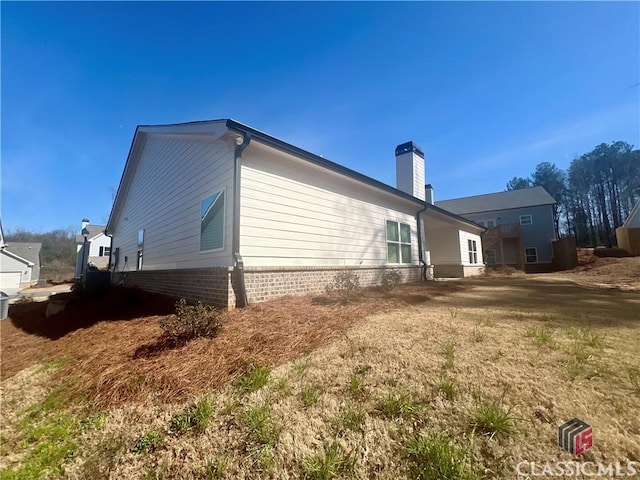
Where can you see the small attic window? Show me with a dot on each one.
(212, 222)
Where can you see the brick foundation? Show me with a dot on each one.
(266, 283)
(213, 285)
(208, 285)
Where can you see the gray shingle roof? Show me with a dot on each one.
(94, 231)
(527, 197)
(28, 251)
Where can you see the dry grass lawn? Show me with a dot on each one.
(492, 366)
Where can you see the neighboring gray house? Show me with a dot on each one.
(520, 223)
(220, 212)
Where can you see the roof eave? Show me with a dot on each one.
(320, 161)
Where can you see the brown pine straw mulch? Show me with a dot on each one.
(116, 352)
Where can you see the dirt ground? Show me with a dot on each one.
(544, 348)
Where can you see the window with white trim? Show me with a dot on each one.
(104, 251)
(472, 247)
(398, 242)
(490, 256)
(531, 255)
(526, 219)
(212, 222)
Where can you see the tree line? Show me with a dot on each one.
(594, 195)
(58, 246)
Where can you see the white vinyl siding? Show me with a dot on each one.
(467, 252)
(295, 213)
(172, 177)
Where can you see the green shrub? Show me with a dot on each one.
(390, 280)
(191, 321)
(346, 285)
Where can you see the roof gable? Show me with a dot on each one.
(526, 197)
(94, 231)
(28, 253)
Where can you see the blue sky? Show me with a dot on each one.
(488, 90)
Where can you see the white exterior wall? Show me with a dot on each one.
(173, 176)
(464, 248)
(94, 245)
(444, 245)
(294, 213)
(410, 174)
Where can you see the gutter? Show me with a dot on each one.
(237, 275)
(425, 267)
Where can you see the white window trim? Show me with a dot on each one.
(223, 193)
(530, 219)
(473, 251)
(525, 254)
(399, 242)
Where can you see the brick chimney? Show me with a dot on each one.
(410, 169)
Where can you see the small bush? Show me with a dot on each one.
(194, 418)
(433, 457)
(191, 321)
(346, 285)
(390, 280)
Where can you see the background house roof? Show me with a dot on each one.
(94, 231)
(28, 251)
(526, 197)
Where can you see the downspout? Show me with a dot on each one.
(237, 276)
(425, 267)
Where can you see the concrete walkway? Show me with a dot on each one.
(42, 293)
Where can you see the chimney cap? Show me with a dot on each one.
(428, 185)
(409, 147)
(85, 220)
